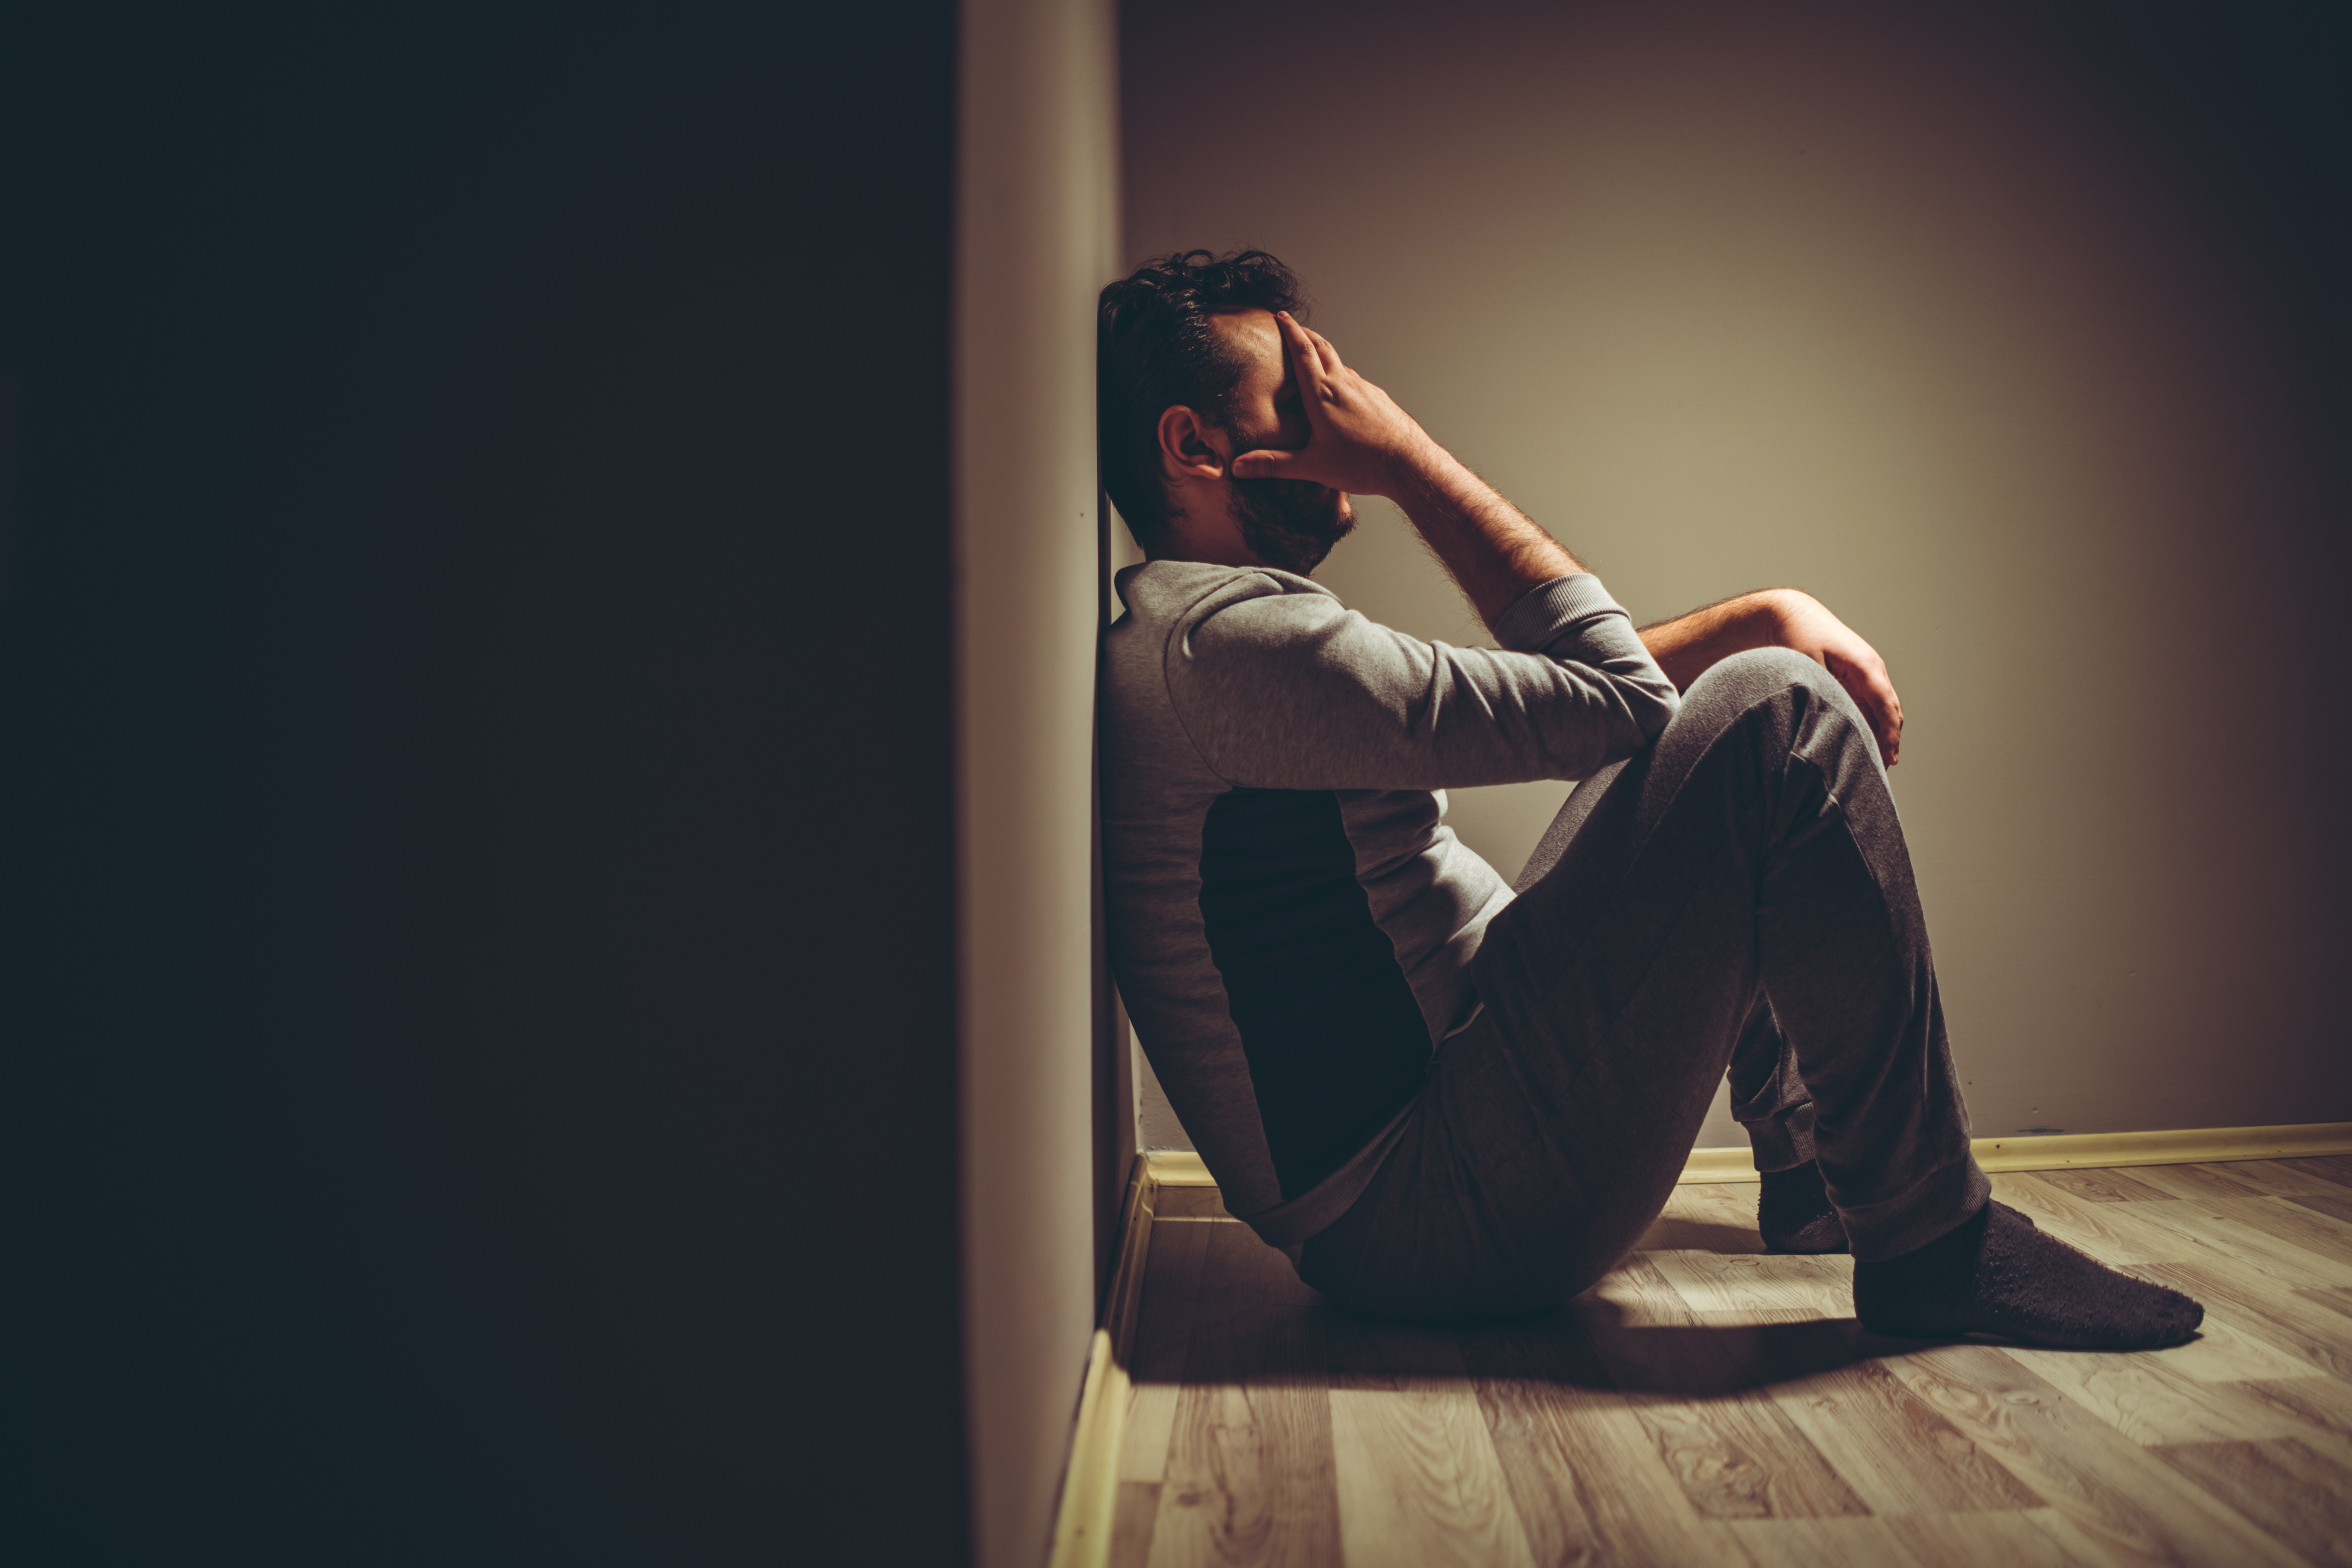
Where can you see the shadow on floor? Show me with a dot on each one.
(1591, 1345)
(1699, 1235)
(1597, 1343)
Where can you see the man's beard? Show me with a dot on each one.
(1291, 523)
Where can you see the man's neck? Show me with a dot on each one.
(1206, 532)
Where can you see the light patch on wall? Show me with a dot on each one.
(1865, 300)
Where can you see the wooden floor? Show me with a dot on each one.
(1707, 1403)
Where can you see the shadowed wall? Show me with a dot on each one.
(1036, 226)
(2014, 340)
(479, 1006)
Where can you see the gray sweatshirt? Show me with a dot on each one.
(1291, 922)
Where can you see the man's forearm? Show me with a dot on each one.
(1494, 550)
(1689, 646)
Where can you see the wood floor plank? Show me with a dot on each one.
(1175, 1262)
(1651, 1343)
(2181, 1231)
(1732, 1203)
(1394, 1357)
(2335, 1169)
(2279, 1178)
(1714, 1216)
(2337, 1300)
(2237, 1232)
(1419, 1485)
(2199, 1182)
(2109, 1488)
(2101, 1186)
(1737, 1456)
(1241, 1270)
(2335, 1205)
(1176, 1254)
(2302, 1498)
(1897, 1452)
(2223, 1352)
(2029, 1538)
(2290, 1220)
(1132, 1517)
(1259, 1345)
(1250, 1477)
(1720, 1282)
(1632, 1294)
(2323, 1403)
(1842, 1543)
(1589, 1486)
(1771, 1348)
(2255, 1306)
(1732, 1450)
(2141, 1396)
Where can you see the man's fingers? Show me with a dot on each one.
(1887, 710)
(1302, 353)
(1267, 463)
(1330, 356)
(1886, 717)
(1865, 681)
(1884, 726)
(1311, 344)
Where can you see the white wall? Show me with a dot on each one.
(1863, 300)
(1036, 186)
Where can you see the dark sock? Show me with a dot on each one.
(1997, 1274)
(1794, 1213)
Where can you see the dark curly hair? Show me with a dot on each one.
(1155, 350)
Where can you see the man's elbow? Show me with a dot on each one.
(1654, 706)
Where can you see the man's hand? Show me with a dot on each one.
(1807, 627)
(1687, 646)
(1360, 441)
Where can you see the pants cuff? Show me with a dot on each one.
(1938, 1202)
(1782, 1140)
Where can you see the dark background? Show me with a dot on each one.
(479, 1003)
(478, 1006)
(2244, 112)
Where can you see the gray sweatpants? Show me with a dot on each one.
(1737, 897)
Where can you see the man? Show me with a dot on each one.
(1445, 1096)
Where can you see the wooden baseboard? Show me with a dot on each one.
(2089, 1150)
(1082, 1523)
(1178, 1168)
(1082, 1518)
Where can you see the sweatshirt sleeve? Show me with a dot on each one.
(1289, 689)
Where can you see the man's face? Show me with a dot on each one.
(1289, 523)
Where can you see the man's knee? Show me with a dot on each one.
(1764, 682)
(1745, 679)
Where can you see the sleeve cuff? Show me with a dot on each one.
(1548, 611)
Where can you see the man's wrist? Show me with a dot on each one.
(1422, 468)
(1779, 610)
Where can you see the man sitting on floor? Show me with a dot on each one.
(1449, 1098)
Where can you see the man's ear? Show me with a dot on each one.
(1190, 447)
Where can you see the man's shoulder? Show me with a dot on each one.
(1181, 606)
(1174, 591)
